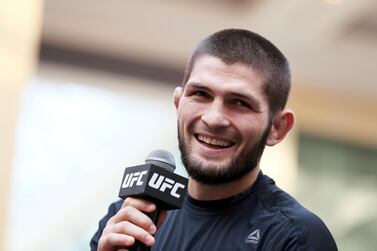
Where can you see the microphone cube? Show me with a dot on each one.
(154, 183)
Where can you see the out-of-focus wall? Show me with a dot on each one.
(78, 129)
(20, 23)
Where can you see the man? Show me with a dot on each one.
(230, 105)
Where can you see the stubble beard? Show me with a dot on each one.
(234, 169)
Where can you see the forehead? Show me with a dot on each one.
(212, 71)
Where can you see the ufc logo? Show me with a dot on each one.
(162, 183)
(131, 178)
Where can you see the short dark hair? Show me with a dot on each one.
(246, 47)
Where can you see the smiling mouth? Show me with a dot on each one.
(213, 142)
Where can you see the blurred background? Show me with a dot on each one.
(85, 91)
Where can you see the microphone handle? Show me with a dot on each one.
(139, 246)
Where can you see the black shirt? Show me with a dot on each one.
(263, 217)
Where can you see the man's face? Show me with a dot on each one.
(223, 121)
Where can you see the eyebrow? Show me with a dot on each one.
(196, 85)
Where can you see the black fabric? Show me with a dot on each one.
(113, 209)
(262, 218)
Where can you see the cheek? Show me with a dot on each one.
(184, 119)
(250, 129)
(188, 112)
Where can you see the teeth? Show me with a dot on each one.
(213, 141)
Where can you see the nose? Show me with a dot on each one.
(214, 115)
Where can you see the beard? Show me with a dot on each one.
(237, 166)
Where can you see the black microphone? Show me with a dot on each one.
(156, 182)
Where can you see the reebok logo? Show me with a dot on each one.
(253, 238)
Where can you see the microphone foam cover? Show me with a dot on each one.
(162, 159)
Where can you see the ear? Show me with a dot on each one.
(282, 122)
(177, 96)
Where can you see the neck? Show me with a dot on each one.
(201, 191)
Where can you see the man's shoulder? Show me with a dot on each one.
(275, 199)
(295, 221)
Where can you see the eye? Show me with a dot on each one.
(241, 103)
(199, 93)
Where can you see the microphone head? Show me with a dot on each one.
(162, 159)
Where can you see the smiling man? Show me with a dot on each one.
(230, 106)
